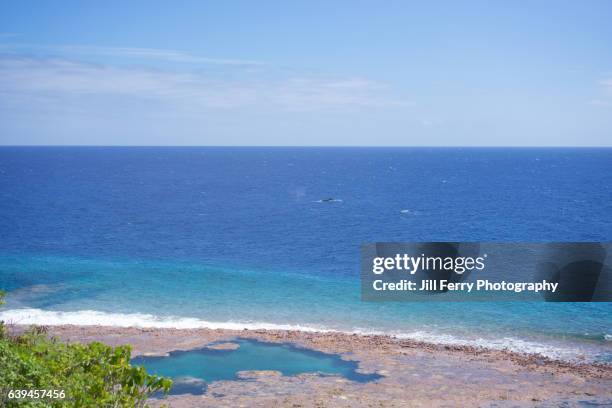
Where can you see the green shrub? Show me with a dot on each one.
(91, 375)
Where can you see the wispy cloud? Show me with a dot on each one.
(606, 100)
(5, 36)
(130, 95)
(601, 102)
(154, 54)
(62, 79)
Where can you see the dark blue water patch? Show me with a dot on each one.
(192, 369)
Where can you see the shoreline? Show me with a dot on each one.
(552, 349)
(414, 373)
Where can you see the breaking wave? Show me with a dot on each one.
(28, 316)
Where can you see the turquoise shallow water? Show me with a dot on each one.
(216, 237)
(206, 365)
(87, 291)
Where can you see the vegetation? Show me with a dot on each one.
(86, 375)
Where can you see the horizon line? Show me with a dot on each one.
(330, 146)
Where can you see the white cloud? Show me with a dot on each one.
(606, 100)
(117, 97)
(601, 102)
(61, 79)
(7, 35)
(155, 54)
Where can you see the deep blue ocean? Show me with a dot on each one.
(243, 237)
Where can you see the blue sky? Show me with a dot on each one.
(440, 73)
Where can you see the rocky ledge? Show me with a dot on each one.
(414, 374)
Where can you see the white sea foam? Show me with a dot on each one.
(558, 352)
(97, 318)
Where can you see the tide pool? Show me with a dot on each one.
(192, 369)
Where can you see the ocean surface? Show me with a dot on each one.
(244, 237)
